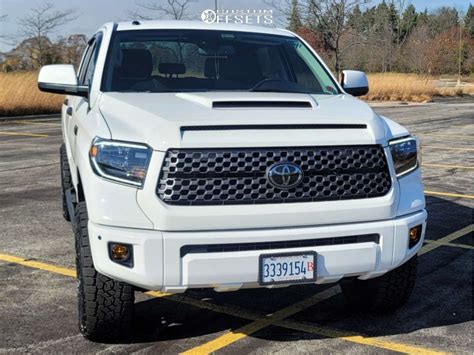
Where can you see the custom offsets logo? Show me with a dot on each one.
(245, 17)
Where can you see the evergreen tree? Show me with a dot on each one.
(469, 21)
(423, 18)
(443, 19)
(408, 23)
(357, 20)
(294, 19)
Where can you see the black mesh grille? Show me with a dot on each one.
(238, 176)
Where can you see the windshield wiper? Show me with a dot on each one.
(278, 85)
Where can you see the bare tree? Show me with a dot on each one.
(41, 22)
(174, 9)
(284, 10)
(325, 18)
(418, 50)
(3, 18)
(71, 48)
(330, 17)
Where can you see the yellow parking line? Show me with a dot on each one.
(262, 321)
(447, 239)
(37, 135)
(355, 338)
(227, 338)
(40, 123)
(278, 319)
(233, 311)
(38, 265)
(447, 244)
(448, 148)
(233, 336)
(448, 166)
(448, 194)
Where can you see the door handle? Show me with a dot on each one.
(75, 130)
(69, 111)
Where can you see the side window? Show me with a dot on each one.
(82, 67)
(90, 61)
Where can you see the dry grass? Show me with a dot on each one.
(409, 87)
(19, 95)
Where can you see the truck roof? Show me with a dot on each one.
(198, 25)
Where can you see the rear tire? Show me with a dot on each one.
(105, 305)
(385, 293)
(66, 181)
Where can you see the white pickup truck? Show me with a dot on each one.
(229, 157)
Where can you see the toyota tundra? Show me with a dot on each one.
(228, 157)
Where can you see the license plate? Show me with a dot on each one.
(287, 268)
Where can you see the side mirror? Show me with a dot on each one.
(61, 79)
(355, 82)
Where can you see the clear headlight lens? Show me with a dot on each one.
(123, 162)
(405, 154)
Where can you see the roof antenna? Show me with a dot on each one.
(135, 22)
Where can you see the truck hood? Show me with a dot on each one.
(240, 119)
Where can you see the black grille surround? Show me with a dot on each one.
(238, 175)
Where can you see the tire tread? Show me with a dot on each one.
(385, 293)
(105, 305)
(66, 180)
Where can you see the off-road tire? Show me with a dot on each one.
(385, 293)
(105, 305)
(66, 181)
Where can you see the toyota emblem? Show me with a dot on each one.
(285, 175)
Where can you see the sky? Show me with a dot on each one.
(96, 12)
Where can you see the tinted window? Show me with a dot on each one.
(91, 60)
(202, 60)
(83, 65)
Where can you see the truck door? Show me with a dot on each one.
(78, 107)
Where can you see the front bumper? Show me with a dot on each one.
(159, 263)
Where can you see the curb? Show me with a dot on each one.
(30, 117)
(396, 103)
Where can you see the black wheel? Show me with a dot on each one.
(105, 305)
(385, 293)
(66, 181)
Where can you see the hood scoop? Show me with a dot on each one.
(250, 100)
(262, 104)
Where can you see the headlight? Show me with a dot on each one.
(123, 162)
(405, 154)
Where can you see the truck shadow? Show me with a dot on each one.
(442, 296)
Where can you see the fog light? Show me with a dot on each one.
(121, 254)
(414, 236)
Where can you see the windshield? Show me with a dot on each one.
(208, 60)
